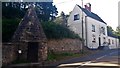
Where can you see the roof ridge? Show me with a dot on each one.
(91, 14)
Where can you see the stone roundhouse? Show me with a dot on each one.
(29, 38)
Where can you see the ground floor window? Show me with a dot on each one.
(104, 39)
(112, 41)
(93, 38)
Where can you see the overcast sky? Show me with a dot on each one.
(106, 9)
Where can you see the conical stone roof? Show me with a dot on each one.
(29, 29)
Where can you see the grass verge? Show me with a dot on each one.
(63, 56)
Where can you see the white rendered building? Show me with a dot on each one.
(94, 31)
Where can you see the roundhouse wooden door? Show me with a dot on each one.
(32, 54)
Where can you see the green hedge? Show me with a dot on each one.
(8, 28)
(57, 31)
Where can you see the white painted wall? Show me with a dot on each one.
(115, 43)
(98, 24)
(76, 26)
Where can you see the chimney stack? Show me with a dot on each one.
(88, 7)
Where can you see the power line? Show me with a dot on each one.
(64, 2)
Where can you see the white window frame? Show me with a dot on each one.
(76, 17)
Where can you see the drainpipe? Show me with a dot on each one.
(116, 43)
(86, 29)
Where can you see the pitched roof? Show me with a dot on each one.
(91, 14)
(29, 29)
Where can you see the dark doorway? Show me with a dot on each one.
(32, 54)
(99, 41)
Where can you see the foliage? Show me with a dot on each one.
(110, 31)
(12, 10)
(54, 56)
(56, 31)
(12, 13)
(51, 29)
(60, 56)
(109, 28)
(62, 19)
(118, 31)
(44, 10)
(8, 28)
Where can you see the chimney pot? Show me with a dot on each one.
(88, 6)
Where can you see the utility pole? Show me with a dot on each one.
(82, 31)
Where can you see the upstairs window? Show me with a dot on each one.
(76, 17)
(93, 28)
(103, 30)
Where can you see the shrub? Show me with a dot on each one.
(8, 28)
(57, 31)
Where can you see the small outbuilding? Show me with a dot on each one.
(29, 38)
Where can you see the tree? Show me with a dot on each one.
(109, 28)
(110, 31)
(46, 11)
(13, 12)
(64, 19)
(118, 31)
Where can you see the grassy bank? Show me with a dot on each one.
(64, 56)
(61, 57)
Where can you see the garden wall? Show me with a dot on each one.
(8, 53)
(65, 45)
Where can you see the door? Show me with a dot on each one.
(32, 54)
(99, 41)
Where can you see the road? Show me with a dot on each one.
(104, 59)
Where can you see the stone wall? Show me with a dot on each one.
(23, 47)
(8, 53)
(9, 50)
(42, 52)
(65, 45)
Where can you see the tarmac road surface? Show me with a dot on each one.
(109, 59)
